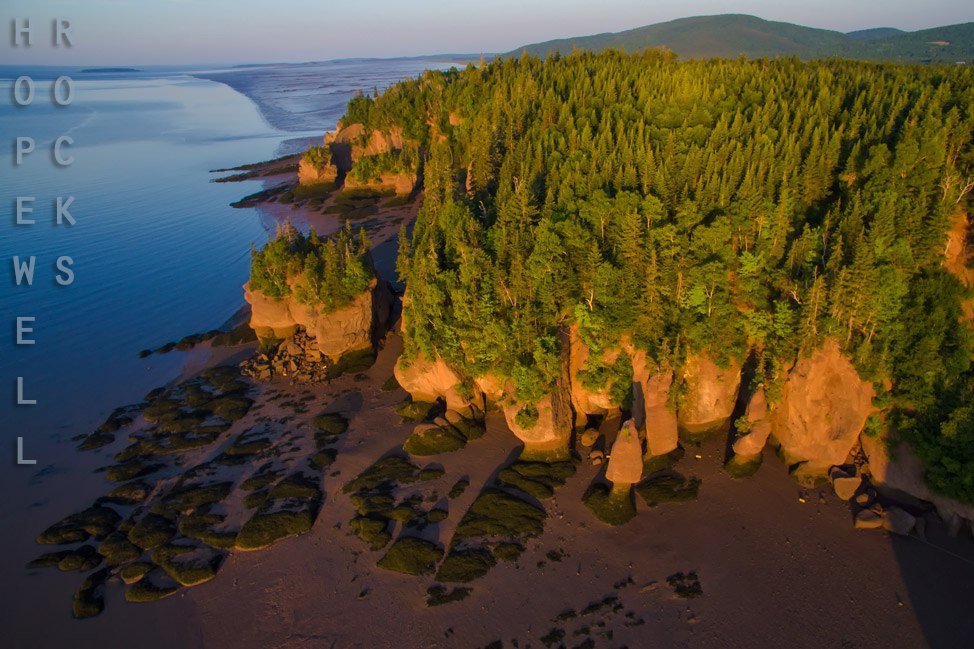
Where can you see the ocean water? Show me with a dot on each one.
(158, 253)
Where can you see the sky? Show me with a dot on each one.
(145, 32)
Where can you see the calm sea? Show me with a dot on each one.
(158, 253)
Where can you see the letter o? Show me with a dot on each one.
(19, 86)
(63, 91)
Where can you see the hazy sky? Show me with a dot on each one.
(142, 32)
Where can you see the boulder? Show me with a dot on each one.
(823, 408)
(868, 519)
(626, 458)
(752, 443)
(596, 457)
(846, 486)
(710, 395)
(589, 437)
(899, 521)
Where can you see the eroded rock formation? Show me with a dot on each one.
(352, 328)
(823, 408)
(430, 381)
(651, 405)
(711, 393)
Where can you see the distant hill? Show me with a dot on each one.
(733, 35)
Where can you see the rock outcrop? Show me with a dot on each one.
(549, 436)
(651, 393)
(430, 381)
(401, 183)
(310, 174)
(749, 445)
(588, 401)
(898, 473)
(823, 408)
(625, 466)
(710, 396)
(352, 328)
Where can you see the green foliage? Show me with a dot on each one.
(326, 273)
(318, 157)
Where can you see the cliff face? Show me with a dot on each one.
(650, 404)
(349, 329)
(710, 396)
(429, 381)
(823, 408)
(309, 174)
(585, 400)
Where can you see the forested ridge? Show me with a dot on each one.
(726, 207)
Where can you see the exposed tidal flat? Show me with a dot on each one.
(761, 562)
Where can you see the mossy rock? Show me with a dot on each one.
(331, 424)
(248, 448)
(416, 410)
(323, 458)
(458, 488)
(539, 479)
(296, 486)
(201, 527)
(372, 530)
(668, 488)
(162, 410)
(48, 560)
(437, 595)
(434, 440)
(437, 515)
(656, 463)
(130, 470)
(498, 513)
(89, 599)
(82, 559)
(117, 549)
(256, 499)
(130, 493)
(96, 521)
(386, 473)
(151, 530)
(152, 587)
(390, 384)
(411, 556)
(462, 566)
(471, 429)
(743, 467)
(134, 572)
(186, 565)
(230, 408)
(351, 362)
(611, 506)
(96, 440)
(260, 480)
(509, 551)
(265, 529)
(192, 497)
(370, 503)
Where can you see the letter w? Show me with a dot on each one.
(22, 269)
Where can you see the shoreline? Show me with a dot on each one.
(764, 549)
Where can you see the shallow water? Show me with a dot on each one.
(158, 253)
